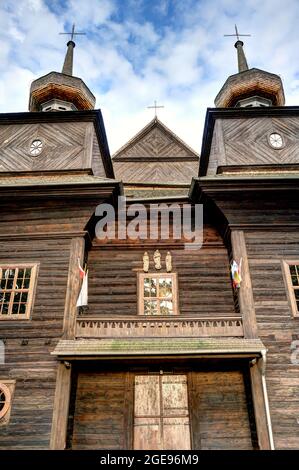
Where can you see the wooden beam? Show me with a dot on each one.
(73, 286)
(259, 405)
(63, 379)
(61, 407)
(245, 295)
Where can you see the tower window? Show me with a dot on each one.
(276, 140)
(17, 285)
(254, 101)
(36, 147)
(157, 293)
(291, 276)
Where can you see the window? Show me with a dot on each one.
(158, 294)
(17, 285)
(6, 394)
(291, 276)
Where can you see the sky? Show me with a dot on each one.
(138, 51)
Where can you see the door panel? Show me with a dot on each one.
(219, 417)
(161, 416)
(101, 411)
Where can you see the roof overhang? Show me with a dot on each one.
(122, 348)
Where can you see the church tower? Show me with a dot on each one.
(61, 91)
(250, 87)
(249, 178)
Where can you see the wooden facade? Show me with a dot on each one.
(214, 373)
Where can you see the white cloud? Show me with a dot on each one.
(129, 63)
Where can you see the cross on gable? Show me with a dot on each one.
(155, 107)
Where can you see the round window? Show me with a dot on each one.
(36, 147)
(4, 400)
(276, 140)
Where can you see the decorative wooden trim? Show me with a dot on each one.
(289, 286)
(245, 294)
(140, 284)
(31, 290)
(156, 326)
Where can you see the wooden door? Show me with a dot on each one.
(161, 414)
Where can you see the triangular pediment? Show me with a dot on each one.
(155, 142)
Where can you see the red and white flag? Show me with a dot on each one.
(81, 270)
(83, 296)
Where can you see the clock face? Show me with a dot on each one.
(276, 140)
(36, 147)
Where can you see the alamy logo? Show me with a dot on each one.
(152, 222)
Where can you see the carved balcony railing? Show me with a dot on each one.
(141, 326)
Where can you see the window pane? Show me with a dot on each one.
(24, 297)
(22, 308)
(9, 278)
(165, 287)
(21, 274)
(294, 270)
(166, 307)
(15, 309)
(26, 282)
(150, 287)
(150, 307)
(5, 302)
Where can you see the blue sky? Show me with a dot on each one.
(138, 51)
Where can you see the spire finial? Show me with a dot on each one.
(68, 61)
(155, 107)
(242, 62)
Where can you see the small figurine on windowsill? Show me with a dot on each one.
(168, 261)
(146, 262)
(157, 259)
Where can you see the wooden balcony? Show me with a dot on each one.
(157, 327)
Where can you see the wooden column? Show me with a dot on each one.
(247, 310)
(73, 288)
(63, 379)
(61, 407)
(245, 294)
(259, 405)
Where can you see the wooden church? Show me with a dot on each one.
(170, 353)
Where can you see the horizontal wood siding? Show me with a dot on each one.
(277, 328)
(201, 273)
(28, 344)
(220, 414)
(100, 411)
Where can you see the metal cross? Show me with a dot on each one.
(237, 34)
(73, 33)
(155, 107)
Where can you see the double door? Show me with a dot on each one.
(161, 412)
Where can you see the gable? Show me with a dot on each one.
(155, 142)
